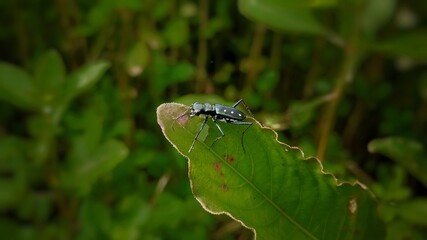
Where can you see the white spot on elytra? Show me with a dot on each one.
(225, 110)
(232, 112)
(240, 114)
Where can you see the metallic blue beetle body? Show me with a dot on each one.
(217, 112)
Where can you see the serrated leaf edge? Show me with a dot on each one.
(337, 182)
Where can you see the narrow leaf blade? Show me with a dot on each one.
(85, 77)
(281, 17)
(408, 45)
(407, 153)
(81, 177)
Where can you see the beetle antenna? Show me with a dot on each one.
(244, 105)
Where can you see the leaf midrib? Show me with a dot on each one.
(305, 231)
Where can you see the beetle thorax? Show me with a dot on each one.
(201, 108)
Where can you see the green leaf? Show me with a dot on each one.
(17, 87)
(407, 153)
(82, 176)
(84, 78)
(137, 59)
(78, 82)
(300, 3)
(267, 81)
(179, 72)
(376, 14)
(280, 16)
(414, 211)
(161, 9)
(49, 76)
(13, 178)
(269, 187)
(177, 32)
(302, 112)
(409, 44)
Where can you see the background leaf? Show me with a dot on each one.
(376, 14)
(408, 153)
(84, 78)
(16, 87)
(281, 17)
(104, 158)
(49, 76)
(270, 187)
(414, 211)
(405, 44)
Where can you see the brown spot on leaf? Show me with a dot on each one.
(217, 166)
(224, 187)
(183, 120)
(352, 206)
(231, 159)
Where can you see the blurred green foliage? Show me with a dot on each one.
(81, 154)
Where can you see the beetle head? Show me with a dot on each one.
(196, 108)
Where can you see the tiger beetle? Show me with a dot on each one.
(217, 112)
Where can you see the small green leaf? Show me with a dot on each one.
(302, 112)
(280, 16)
(177, 32)
(267, 81)
(104, 158)
(408, 153)
(414, 211)
(177, 73)
(49, 76)
(300, 3)
(84, 78)
(76, 83)
(409, 44)
(17, 87)
(161, 9)
(269, 187)
(182, 72)
(214, 26)
(13, 180)
(376, 14)
(95, 215)
(321, 3)
(137, 59)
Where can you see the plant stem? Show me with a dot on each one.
(345, 76)
(121, 75)
(276, 53)
(201, 75)
(314, 70)
(255, 55)
(75, 46)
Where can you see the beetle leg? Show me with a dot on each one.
(240, 123)
(197, 135)
(220, 130)
(243, 133)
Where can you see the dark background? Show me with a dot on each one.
(346, 82)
